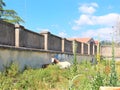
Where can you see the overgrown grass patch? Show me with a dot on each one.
(54, 78)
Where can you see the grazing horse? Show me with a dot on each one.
(62, 65)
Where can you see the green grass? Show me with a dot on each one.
(53, 78)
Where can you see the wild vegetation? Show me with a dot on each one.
(86, 77)
(80, 76)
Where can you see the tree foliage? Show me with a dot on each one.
(8, 15)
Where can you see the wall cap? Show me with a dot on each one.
(45, 32)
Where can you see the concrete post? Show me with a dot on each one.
(88, 49)
(74, 46)
(93, 49)
(82, 48)
(45, 33)
(63, 44)
(17, 35)
(18, 28)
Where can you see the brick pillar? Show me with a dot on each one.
(17, 35)
(88, 49)
(82, 48)
(45, 33)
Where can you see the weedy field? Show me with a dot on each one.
(82, 76)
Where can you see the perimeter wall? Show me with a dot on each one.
(33, 49)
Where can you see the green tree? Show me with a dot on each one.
(8, 15)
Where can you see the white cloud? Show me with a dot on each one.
(94, 4)
(102, 33)
(88, 8)
(102, 23)
(105, 20)
(62, 34)
(83, 20)
(109, 19)
(87, 17)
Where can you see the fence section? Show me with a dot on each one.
(78, 47)
(85, 48)
(7, 34)
(106, 51)
(18, 36)
(30, 39)
(67, 45)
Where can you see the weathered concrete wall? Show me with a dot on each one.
(67, 45)
(7, 33)
(106, 51)
(91, 48)
(33, 58)
(54, 42)
(95, 50)
(78, 47)
(85, 48)
(24, 57)
(31, 39)
(18, 36)
(32, 49)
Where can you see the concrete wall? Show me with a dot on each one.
(23, 57)
(18, 36)
(78, 47)
(85, 49)
(7, 33)
(32, 49)
(67, 46)
(91, 48)
(106, 51)
(54, 42)
(95, 50)
(32, 58)
(31, 39)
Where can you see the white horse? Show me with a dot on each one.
(62, 65)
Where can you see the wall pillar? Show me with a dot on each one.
(45, 33)
(88, 49)
(63, 44)
(17, 35)
(74, 46)
(18, 28)
(82, 48)
(93, 49)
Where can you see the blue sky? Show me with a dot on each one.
(69, 18)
